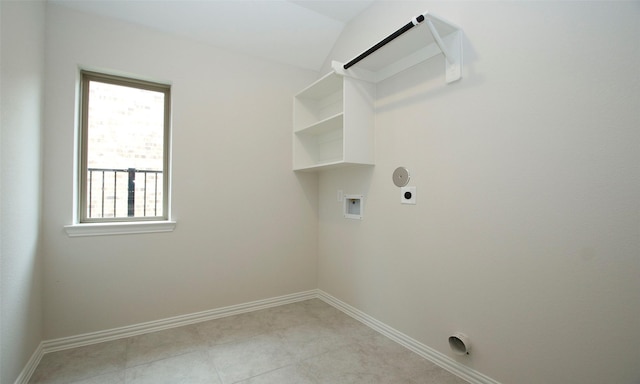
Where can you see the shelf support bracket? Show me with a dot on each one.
(438, 40)
(451, 47)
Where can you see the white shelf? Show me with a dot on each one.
(333, 124)
(323, 87)
(330, 165)
(432, 37)
(333, 118)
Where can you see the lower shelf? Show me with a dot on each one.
(329, 165)
(312, 148)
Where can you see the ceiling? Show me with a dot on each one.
(295, 32)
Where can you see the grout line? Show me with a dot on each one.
(420, 349)
(172, 322)
(426, 352)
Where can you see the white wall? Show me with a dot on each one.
(526, 234)
(247, 225)
(21, 103)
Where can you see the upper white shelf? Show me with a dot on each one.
(322, 88)
(426, 39)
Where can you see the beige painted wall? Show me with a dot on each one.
(526, 234)
(21, 105)
(247, 225)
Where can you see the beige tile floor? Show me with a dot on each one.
(300, 343)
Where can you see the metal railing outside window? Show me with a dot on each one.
(126, 192)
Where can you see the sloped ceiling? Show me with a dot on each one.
(295, 32)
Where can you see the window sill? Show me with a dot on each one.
(102, 229)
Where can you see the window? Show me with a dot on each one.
(124, 149)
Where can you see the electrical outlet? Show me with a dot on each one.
(408, 195)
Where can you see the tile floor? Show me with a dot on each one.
(300, 343)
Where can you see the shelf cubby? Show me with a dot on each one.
(333, 124)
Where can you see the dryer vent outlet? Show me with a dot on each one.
(459, 343)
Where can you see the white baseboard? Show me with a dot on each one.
(172, 322)
(31, 366)
(458, 369)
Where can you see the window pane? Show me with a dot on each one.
(124, 151)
